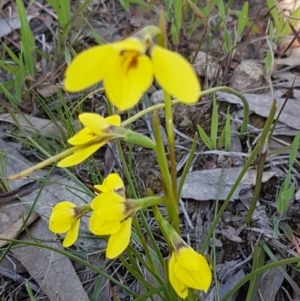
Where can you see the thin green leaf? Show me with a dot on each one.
(294, 151)
(287, 231)
(221, 7)
(268, 62)
(276, 222)
(94, 33)
(243, 19)
(174, 34)
(7, 94)
(197, 11)
(125, 4)
(63, 11)
(292, 20)
(29, 291)
(19, 82)
(187, 166)
(28, 42)
(284, 197)
(227, 40)
(11, 53)
(214, 123)
(205, 138)
(178, 13)
(273, 10)
(8, 67)
(255, 265)
(227, 131)
(282, 268)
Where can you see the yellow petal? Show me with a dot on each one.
(194, 279)
(112, 183)
(102, 227)
(175, 75)
(63, 205)
(96, 123)
(82, 137)
(189, 258)
(112, 211)
(104, 198)
(62, 217)
(99, 188)
(87, 68)
(114, 120)
(128, 79)
(119, 241)
(72, 234)
(178, 286)
(198, 277)
(59, 226)
(130, 44)
(80, 155)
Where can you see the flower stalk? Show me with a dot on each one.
(171, 202)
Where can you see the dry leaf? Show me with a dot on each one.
(12, 231)
(53, 272)
(270, 284)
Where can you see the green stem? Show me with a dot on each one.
(259, 176)
(252, 285)
(260, 169)
(171, 202)
(202, 93)
(146, 111)
(151, 201)
(43, 164)
(239, 178)
(187, 166)
(191, 296)
(172, 155)
(161, 223)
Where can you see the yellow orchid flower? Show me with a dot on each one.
(65, 218)
(88, 138)
(112, 216)
(187, 268)
(127, 71)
